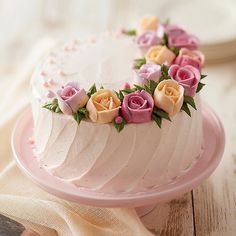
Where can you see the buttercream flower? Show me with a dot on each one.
(149, 71)
(146, 40)
(190, 57)
(119, 119)
(103, 106)
(169, 96)
(186, 60)
(71, 97)
(179, 38)
(160, 30)
(160, 55)
(174, 30)
(137, 107)
(126, 85)
(183, 41)
(187, 76)
(148, 23)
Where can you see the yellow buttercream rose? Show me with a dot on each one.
(148, 23)
(103, 106)
(160, 55)
(169, 96)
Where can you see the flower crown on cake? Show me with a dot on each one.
(165, 82)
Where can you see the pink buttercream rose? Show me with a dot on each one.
(71, 97)
(146, 40)
(174, 30)
(149, 71)
(187, 76)
(190, 57)
(179, 38)
(137, 107)
(184, 40)
(186, 60)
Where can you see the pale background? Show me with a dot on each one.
(24, 22)
(30, 27)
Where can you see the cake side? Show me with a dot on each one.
(95, 156)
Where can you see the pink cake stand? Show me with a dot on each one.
(214, 142)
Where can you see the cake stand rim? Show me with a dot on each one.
(122, 199)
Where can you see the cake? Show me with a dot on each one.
(120, 112)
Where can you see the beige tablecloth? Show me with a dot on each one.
(20, 199)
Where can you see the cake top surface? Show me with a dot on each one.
(105, 60)
(122, 77)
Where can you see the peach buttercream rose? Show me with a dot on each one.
(148, 23)
(169, 96)
(160, 55)
(103, 106)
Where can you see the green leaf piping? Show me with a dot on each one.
(129, 32)
(138, 87)
(157, 119)
(119, 127)
(81, 114)
(158, 115)
(139, 62)
(161, 113)
(92, 90)
(186, 108)
(199, 87)
(175, 50)
(165, 40)
(127, 91)
(53, 106)
(189, 100)
(119, 94)
(164, 73)
(151, 86)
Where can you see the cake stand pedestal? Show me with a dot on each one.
(214, 142)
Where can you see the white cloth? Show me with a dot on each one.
(23, 201)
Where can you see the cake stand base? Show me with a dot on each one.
(213, 149)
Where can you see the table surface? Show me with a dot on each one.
(209, 209)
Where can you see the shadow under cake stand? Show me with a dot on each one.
(214, 142)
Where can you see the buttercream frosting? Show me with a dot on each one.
(94, 155)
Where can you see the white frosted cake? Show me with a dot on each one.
(114, 113)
